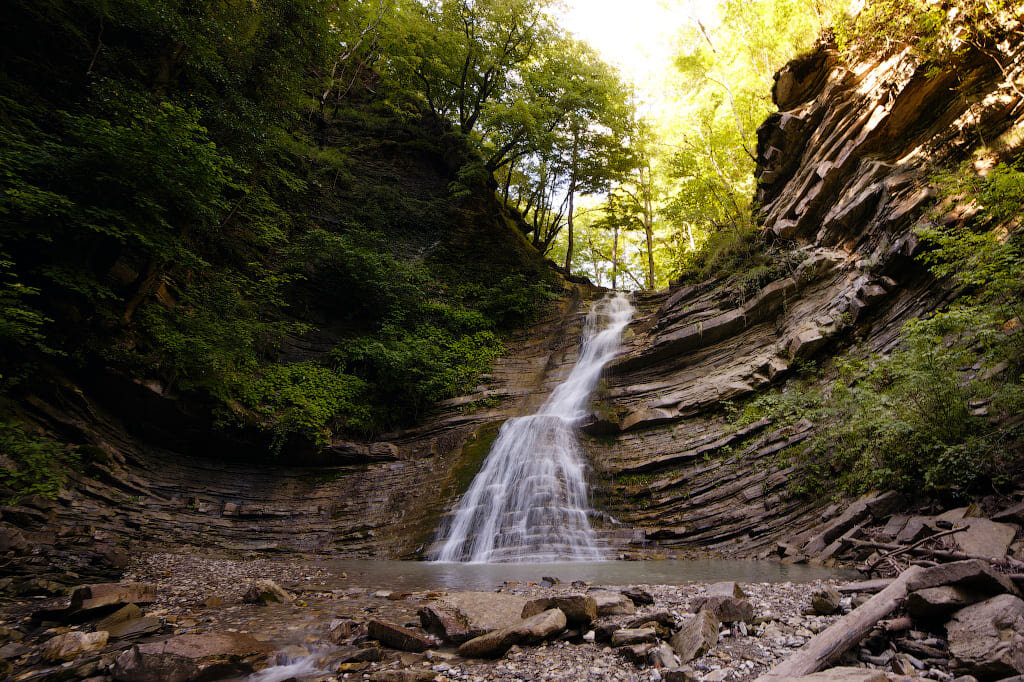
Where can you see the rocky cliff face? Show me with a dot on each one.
(842, 175)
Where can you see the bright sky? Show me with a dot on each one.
(638, 36)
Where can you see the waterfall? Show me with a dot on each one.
(529, 501)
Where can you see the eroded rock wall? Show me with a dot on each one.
(842, 175)
(380, 499)
(843, 178)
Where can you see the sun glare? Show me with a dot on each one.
(639, 36)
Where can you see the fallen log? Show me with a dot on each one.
(828, 646)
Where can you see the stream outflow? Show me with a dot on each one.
(530, 500)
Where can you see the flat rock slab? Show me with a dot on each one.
(106, 594)
(397, 637)
(127, 612)
(134, 628)
(483, 612)
(987, 639)
(972, 574)
(209, 655)
(845, 674)
(630, 636)
(579, 609)
(984, 538)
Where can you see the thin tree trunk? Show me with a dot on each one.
(615, 255)
(645, 187)
(572, 191)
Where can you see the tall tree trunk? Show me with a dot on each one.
(572, 191)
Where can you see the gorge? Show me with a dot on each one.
(352, 348)
(843, 183)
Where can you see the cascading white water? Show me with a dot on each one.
(529, 500)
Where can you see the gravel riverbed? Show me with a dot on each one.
(197, 593)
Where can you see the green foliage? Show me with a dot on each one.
(306, 399)
(723, 90)
(936, 32)
(410, 369)
(215, 334)
(36, 465)
(177, 181)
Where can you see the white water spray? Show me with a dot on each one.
(529, 502)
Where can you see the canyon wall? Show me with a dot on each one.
(842, 175)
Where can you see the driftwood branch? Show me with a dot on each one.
(828, 646)
(902, 550)
(940, 553)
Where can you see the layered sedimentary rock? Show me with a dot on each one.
(379, 499)
(843, 178)
(842, 172)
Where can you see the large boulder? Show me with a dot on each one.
(987, 639)
(528, 631)
(935, 603)
(209, 655)
(462, 616)
(726, 609)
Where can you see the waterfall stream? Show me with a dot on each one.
(529, 502)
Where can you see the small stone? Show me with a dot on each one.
(825, 601)
(635, 636)
(663, 656)
(266, 592)
(636, 653)
(638, 596)
(613, 603)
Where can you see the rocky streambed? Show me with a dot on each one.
(179, 617)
